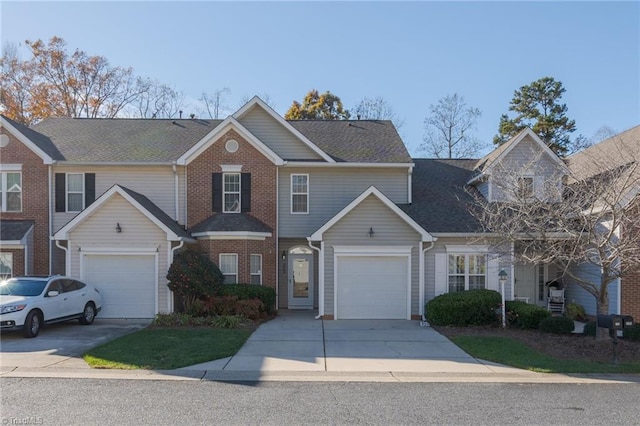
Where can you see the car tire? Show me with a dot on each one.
(32, 324)
(89, 314)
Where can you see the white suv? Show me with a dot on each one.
(30, 302)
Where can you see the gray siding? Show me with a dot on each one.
(352, 230)
(155, 182)
(525, 159)
(332, 189)
(576, 294)
(276, 136)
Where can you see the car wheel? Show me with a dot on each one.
(32, 324)
(89, 314)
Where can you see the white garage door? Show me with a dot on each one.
(127, 284)
(372, 287)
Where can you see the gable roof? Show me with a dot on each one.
(174, 231)
(357, 141)
(225, 223)
(124, 140)
(13, 231)
(372, 190)
(37, 142)
(486, 163)
(440, 203)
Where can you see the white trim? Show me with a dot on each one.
(228, 124)
(22, 138)
(251, 274)
(120, 252)
(118, 249)
(63, 233)
(12, 245)
(370, 251)
(231, 235)
(372, 190)
(225, 192)
(291, 193)
(10, 167)
(66, 191)
(256, 101)
(227, 168)
(409, 186)
(467, 249)
(409, 166)
(236, 265)
(10, 255)
(4, 191)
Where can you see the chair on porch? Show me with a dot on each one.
(555, 301)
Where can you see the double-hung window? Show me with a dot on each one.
(299, 194)
(75, 192)
(256, 269)
(467, 272)
(231, 193)
(229, 267)
(10, 191)
(6, 265)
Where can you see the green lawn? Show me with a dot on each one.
(167, 348)
(511, 352)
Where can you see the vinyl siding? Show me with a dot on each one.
(155, 182)
(330, 190)
(526, 159)
(276, 136)
(97, 231)
(353, 230)
(576, 294)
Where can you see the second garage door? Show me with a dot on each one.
(372, 287)
(127, 284)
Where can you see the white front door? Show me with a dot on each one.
(300, 278)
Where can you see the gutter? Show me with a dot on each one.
(66, 257)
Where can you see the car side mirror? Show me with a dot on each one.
(53, 293)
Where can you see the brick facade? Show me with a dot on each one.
(35, 199)
(263, 202)
(630, 283)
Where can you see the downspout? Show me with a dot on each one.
(277, 238)
(50, 200)
(409, 199)
(320, 276)
(171, 256)
(66, 256)
(423, 251)
(175, 190)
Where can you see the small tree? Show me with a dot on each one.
(192, 275)
(316, 106)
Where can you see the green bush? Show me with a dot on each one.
(557, 325)
(590, 329)
(192, 276)
(525, 315)
(227, 321)
(473, 307)
(250, 291)
(632, 333)
(576, 312)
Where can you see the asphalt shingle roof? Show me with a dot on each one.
(40, 140)
(440, 199)
(14, 230)
(225, 222)
(365, 141)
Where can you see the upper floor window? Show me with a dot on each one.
(10, 191)
(299, 194)
(74, 191)
(525, 186)
(467, 272)
(231, 193)
(256, 269)
(229, 267)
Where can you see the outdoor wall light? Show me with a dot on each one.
(284, 254)
(371, 232)
(118, 228)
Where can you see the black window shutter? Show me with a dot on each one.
(61, 192)
(89, 189)
(216, 192)
(245, 196)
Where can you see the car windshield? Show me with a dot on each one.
(21, 287)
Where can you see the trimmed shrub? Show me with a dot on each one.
(557, 325)
(220, 305)
(250, 291)
(192, 276)
(576, 312)
(590, 329)
(473, 307)
(525, 315)
(252, 309)
(632, 333)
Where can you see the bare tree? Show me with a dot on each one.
(266, 98)
(376, 109)
(592, 220)
(158, 100)
(214, 103)
(448, 129)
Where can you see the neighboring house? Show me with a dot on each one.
(334, 215)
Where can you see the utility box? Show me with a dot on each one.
(627, 321)
(612, 322)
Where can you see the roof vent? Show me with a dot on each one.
(180, 112)
(192, 116)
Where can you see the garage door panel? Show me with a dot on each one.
(127, 284)
(372, 287)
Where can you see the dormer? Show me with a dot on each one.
(523, 167)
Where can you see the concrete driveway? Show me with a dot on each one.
(295, 341)
(62, 344)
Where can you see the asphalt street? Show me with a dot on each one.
(123, 402)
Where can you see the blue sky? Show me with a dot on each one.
(409, 53)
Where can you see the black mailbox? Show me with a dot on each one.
(612, 322)
(627, 321)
